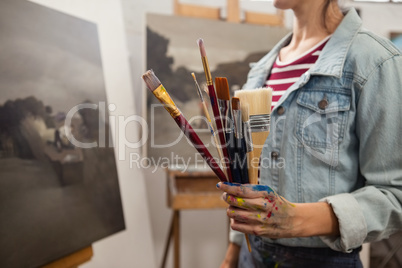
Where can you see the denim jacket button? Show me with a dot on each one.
(274, 155)
(281, 110)
(322, 104)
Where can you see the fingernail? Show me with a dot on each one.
(218, 185)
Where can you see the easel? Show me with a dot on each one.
(73, 260)
(233, 13)
(189, 190)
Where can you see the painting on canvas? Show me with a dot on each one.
(59, 188)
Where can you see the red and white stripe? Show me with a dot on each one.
(285, 74)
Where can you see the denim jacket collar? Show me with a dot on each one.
(332, 63)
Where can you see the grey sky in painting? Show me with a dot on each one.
(55, 63)
(224, 42)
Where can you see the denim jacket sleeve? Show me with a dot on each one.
(374, 211)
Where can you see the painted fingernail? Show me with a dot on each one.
(218, 185)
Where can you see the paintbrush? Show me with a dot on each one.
(156, 87)
(248, 142)
(233, 146)
(241, 150)
(259, 101)
(222, 91)
(205, 109)
(215, 108)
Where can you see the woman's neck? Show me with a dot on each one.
(309, 27)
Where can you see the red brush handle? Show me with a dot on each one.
(199, 145)
(221, 134)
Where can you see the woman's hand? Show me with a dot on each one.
(259, 210)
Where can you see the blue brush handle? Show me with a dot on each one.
(243, 160)
(233, 160)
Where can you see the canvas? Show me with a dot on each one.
(173, 54)
(56, 196)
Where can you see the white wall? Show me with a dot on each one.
(381, 18)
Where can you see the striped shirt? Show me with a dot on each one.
(285, 74)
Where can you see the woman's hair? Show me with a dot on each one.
(325, 11)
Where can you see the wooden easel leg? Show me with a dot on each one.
(176, 233)
(72, 261)
(169, 238)
(233, 11)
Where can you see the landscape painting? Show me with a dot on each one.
(173, 54)
(59, 189)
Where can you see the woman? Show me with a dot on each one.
(336, 127)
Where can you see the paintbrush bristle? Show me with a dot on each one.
(259, 100)
(244, 111)
(201, 45)
(235, 103)
(222, 88)
(193, 75)
(151, 80)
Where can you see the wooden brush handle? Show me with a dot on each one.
(258, 141)
(199, 145)
(252, 171)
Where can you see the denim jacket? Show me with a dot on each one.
(335, 136)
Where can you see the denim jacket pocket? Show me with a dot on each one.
(321, 119)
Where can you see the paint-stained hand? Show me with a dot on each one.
(259, 210)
